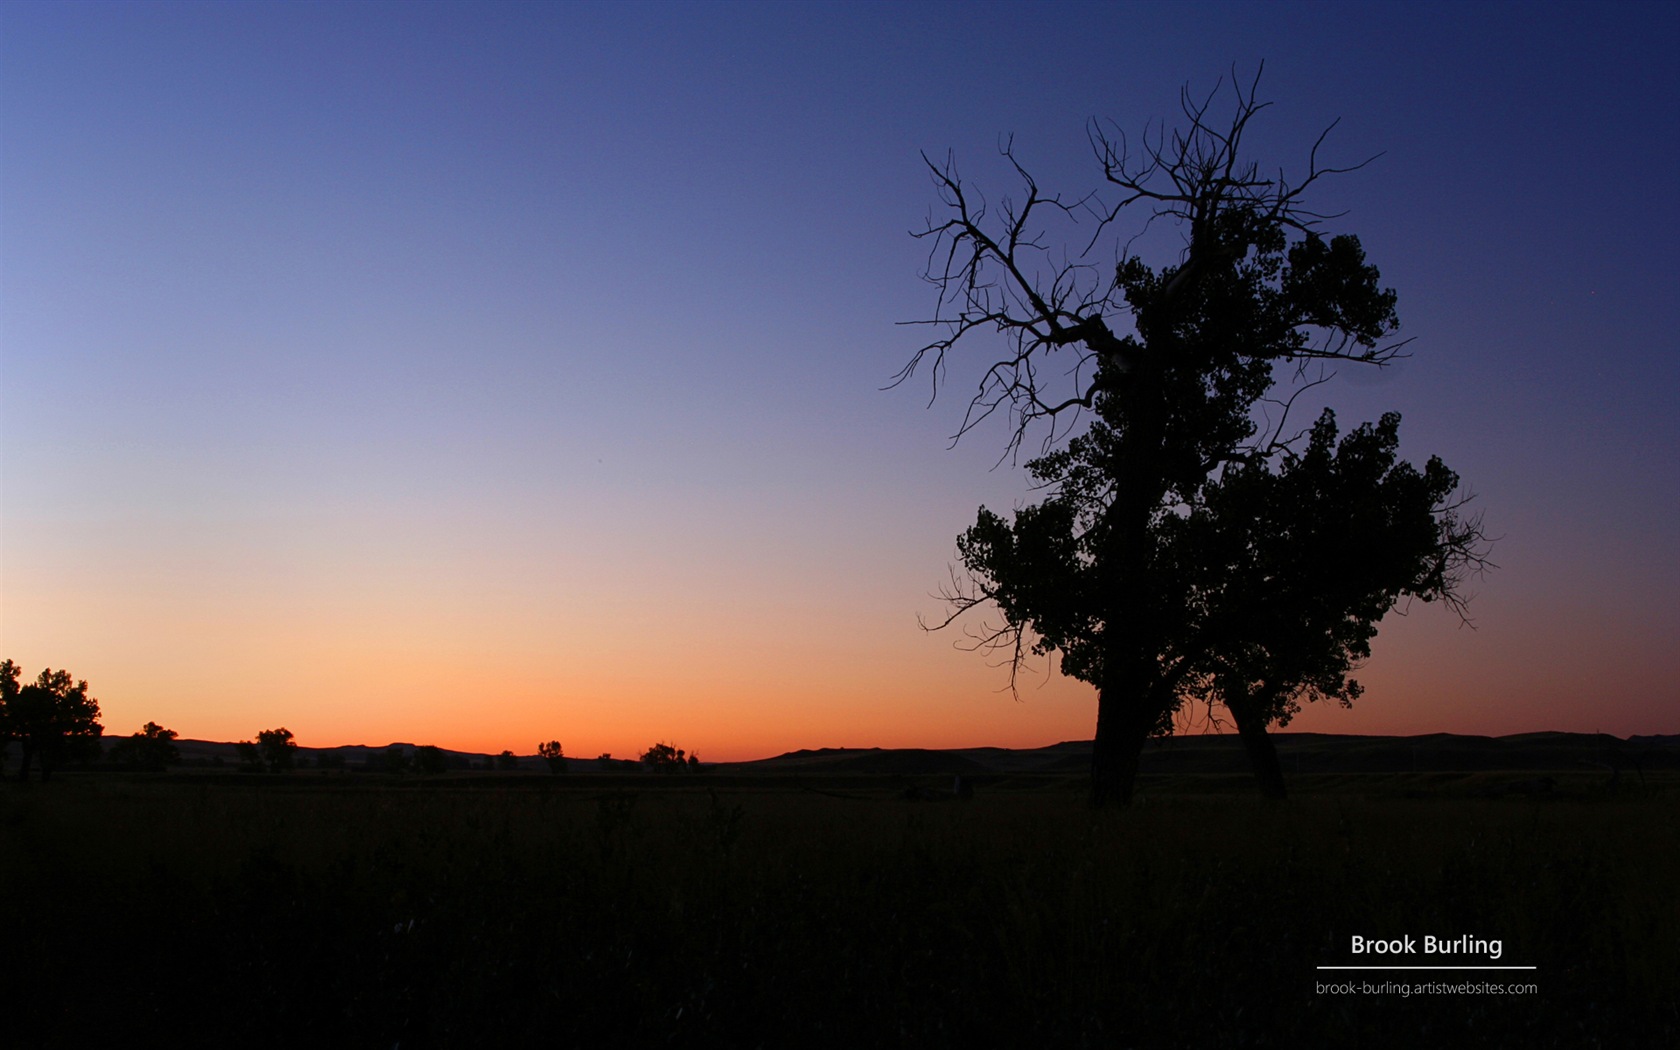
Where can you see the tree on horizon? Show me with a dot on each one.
(430, 761)
(278, 749)
(554, 755)
(153, 747)
(664, 758)
(52, 718)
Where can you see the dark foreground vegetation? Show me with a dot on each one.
(824, 911)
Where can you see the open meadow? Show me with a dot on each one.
(472, 910)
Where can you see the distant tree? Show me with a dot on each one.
(152, 748)
(279, 752)
(554, 755)
(663, 758)
(394, 761)
(250, 756)
(507, 761)
(430, 761)
(52, 718)
(8, 693)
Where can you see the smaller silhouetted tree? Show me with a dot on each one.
(52, 718)
(279, 751)
(250, 756)
(394, 760)
(1294, 568)
(507, 761)
(430, 761)
(663, 758)
(8, 692)
(152, 748)
(554, 755)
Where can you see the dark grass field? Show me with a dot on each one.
(826, 911)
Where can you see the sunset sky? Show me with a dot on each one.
(479, 374)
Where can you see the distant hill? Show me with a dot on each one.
(348, 756)
(364, 757)
(1299, 753)
(1210, 753)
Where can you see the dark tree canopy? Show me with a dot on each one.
(663, 758)
(430, 761)
(53, 719)
(1172, 369)
(1291, 570)
(9, 673)
(152, 748)
(278, 749)
(250, 756)
(554, 755)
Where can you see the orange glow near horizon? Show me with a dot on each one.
(482, 661)
(726, 706)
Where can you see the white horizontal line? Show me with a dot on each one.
(1427, 967)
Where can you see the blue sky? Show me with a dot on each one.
(483, 372)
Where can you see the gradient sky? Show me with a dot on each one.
(475, 375)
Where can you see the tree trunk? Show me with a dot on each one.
(1122, 731)
(1262, 753)
(1130, 673)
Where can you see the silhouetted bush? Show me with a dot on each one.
(279, 750)
(429, 761)
(663, 758)
(554, 755)
(153, 748)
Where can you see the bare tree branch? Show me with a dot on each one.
(965, 593)
(997, 274)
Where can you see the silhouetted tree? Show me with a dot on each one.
(430, 761)
(9, 673)
(507, 761)
(554, 755)
(279, 751)
(250, 756)
(52, 718)
(1173, 368)
(663, 758)
(1292, 569)
(152, 748)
